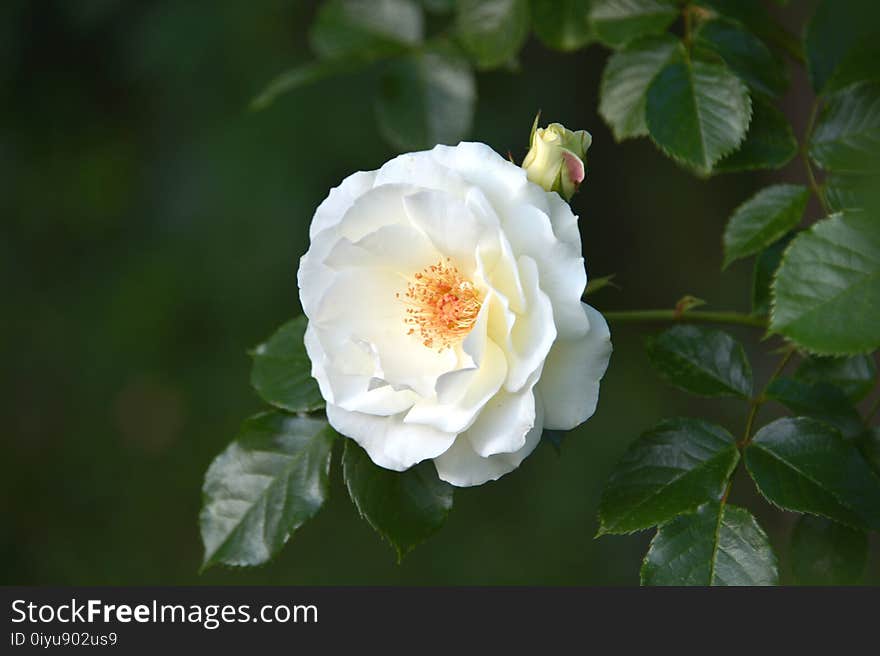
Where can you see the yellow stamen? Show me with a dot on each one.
(442, 306)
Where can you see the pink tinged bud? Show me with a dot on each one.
(555, 160)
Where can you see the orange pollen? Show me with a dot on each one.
(442, 306)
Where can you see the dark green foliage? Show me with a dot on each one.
(827, 553)
(281, 372)
(719, 544)
(805, 465)
(258, 491)
(669, 470)
(700, 360)
(405, 508)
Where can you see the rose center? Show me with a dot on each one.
(442, 305)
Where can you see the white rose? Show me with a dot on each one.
(443, 293)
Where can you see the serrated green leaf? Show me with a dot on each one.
(855, 376)
(426, 99)
(262, 487)
(835, 28)
(562, 24)
(847, 136)
(719, 545)
(617, 22)
(745, 54)
(625, 81)
(282, 372)
(492, 31)
(820, 400)
(697, 112)
(405, 508)
(769, 144)
(703, 361)
(766, 265)
(805, 465)
(671, 469)
(824, 552)
(763, 219)
(346, 28)
(827, 289)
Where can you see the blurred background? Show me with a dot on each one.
(151, 230)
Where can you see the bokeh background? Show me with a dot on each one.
(151, 230)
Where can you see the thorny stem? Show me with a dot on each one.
(755, 405)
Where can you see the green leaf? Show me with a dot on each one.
(847, 191)
(697, 112)
(625, 81)
(763, 219)
(854, 376)
(835, 28)
(562, 24)
(745, 54)
(282, 371)
(492, 31)
(805, 465)
(847, 135)
(769, 144)
(752, 15)
(366, 27)
(827, 289)
(617, 22)
(305, 75)
(827, 553)
(263, 487)
(426, 99)
(703, 361)
(766, 265)
(405, 508)
(671, 469)
(820, 400)
(858, 65)
(717, 545)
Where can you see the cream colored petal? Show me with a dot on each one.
(560, 266)
(503, 423)
(533, 331)
(334, 207)
(389, 442)
(569, 383)
(450, 225)
(461, 466)
(463, 403)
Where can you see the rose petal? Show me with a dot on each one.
(334, 207)
(463, 467)
(463, 403)
(504, 422)
(389, 442)
(569, 383)
(533, 332)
